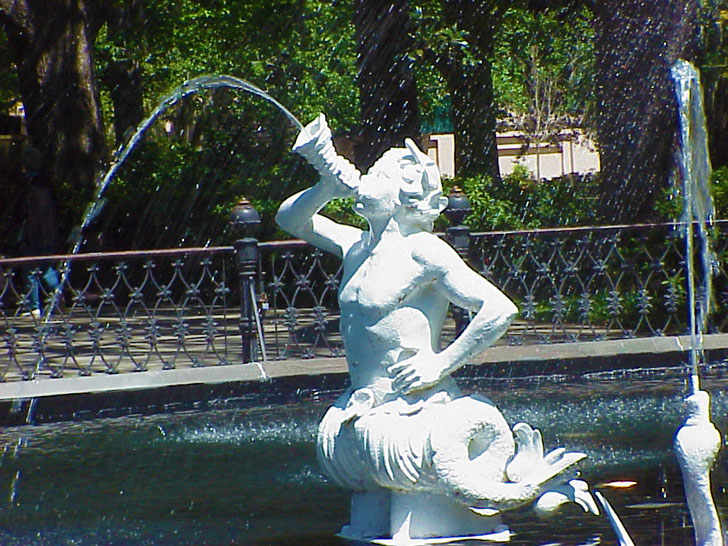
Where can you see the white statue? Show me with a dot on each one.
(697, 443)
(423, 459)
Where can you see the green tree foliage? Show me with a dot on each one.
(302, 53)
(519, 201)
(179, 185)
(543, 70)
(720, 192)
(530, 62)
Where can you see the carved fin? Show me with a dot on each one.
(556, 467)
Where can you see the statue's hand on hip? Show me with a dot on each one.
(424, 369)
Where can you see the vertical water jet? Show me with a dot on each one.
(697, 441)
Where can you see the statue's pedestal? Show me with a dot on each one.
(408, 519)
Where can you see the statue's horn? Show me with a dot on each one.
(431, 177)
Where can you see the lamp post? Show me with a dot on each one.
(458, 235)
(244, 219)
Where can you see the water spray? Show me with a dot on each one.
(697, 441)
(94, 209)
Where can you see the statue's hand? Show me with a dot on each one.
(313, 137)
(360, 402)
(424, 369)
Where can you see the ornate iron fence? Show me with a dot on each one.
(134, 311)
(119, 312)
(302, 312)
(597, 283)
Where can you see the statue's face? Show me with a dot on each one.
(380, 189)
(376, 195)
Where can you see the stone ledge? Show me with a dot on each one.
(600, 349)
(574, 357)
(128, 381)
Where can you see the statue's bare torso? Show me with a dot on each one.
(390, 309)
(399, 278)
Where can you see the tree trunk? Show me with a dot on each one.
(125, 85)
(123, 77)
(52, 43)
(636, 43)
(471, 87)
(716, 111)
(387, 90)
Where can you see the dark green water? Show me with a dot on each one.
(250, 476)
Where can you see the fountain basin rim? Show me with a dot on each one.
(585, 359)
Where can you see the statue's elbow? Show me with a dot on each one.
(284, 219)
(281, 218)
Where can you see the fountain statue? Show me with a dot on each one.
(424, 460)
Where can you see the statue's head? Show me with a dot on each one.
(409, 181)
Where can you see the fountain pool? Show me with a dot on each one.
(250, 476)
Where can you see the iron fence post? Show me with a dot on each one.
(244, 219)
(458, 235)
